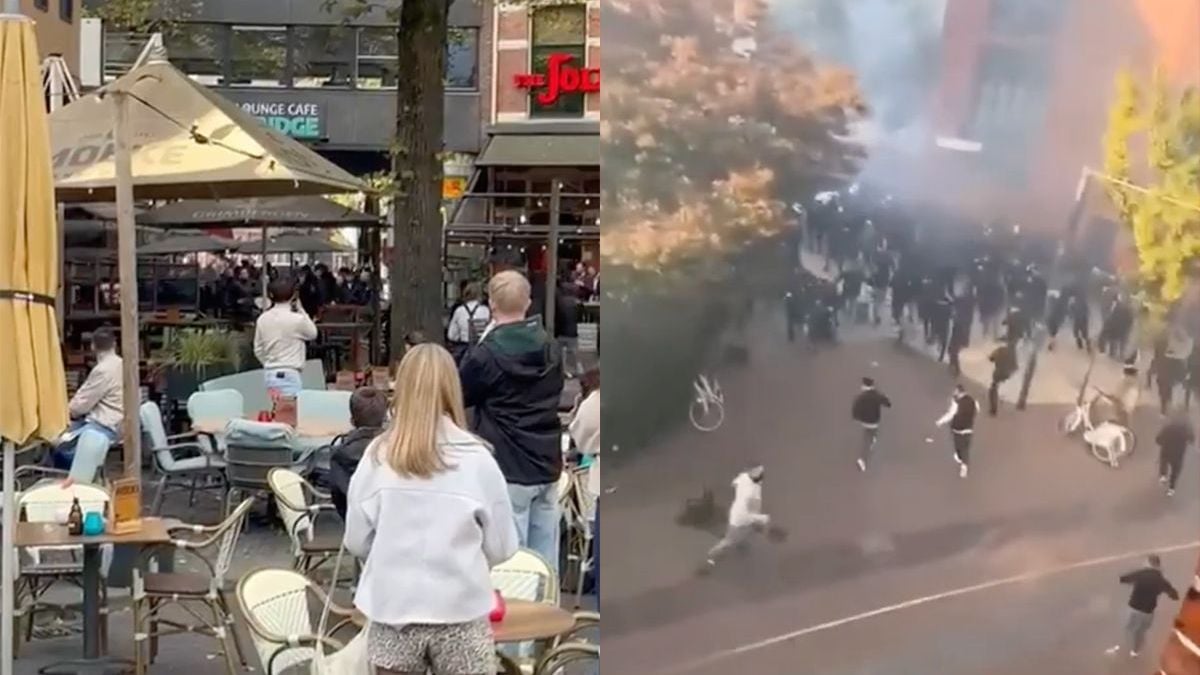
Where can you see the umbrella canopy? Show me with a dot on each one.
(304, 209)
(190, 242)
(188, 142)
(296, 242)
(34, 403)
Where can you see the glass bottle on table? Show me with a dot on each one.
(75, 519)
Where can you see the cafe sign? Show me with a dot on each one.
(561, 77)
(299, 119)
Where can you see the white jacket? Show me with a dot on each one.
(429, 544)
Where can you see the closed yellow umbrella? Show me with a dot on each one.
(33, 403)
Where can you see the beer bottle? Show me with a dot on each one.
(75, 519)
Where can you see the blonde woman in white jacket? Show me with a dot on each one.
(428, 509)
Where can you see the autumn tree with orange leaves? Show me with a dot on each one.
(713, 123)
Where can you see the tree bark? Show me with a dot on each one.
(416, 264)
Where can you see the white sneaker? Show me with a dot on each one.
(954, 456)
(1162, 479)
(862, 466)
(1132, 654)
(962, 470)
(1170, 492)
(1112, 650)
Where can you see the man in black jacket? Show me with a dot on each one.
(566, 326)
(867, 410)
(368, 414)
(513, 379)
(1173, 441)
(1004, 364)
(1148, 583)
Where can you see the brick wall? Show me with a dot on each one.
(511, 53)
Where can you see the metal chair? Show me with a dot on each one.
(182, 460)
(189, 592)
(215, 409)
(276, 605)
(41, 568)
(252, 450)
(299, 516)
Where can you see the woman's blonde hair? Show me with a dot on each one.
(427, 388)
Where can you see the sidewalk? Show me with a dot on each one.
(1059, 373)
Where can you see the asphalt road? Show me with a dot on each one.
(1039, 528)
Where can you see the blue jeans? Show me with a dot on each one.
(99, 439)
(283, 382)
(536, 513)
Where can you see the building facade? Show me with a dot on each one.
(536, 183)
(317, 77)
(57, 25)
(1028, 83)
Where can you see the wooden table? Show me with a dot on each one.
(153, 531)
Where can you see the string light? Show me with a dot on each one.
(522, 219)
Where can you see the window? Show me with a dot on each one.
(195, 48)
(259, 56)
(378, 64)
(66, 10)
(43, 5)
(1010, 104)
(322, 56)
(462, 58)
(560, 29)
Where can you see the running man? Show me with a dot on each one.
(1148, 583)
(867, 410)
(745, 514)
(961, 417)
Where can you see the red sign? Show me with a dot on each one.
(560, 78)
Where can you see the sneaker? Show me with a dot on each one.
(1170, 492)
(954, 456)
(862, 466)
(1112, 650)
(1132, 654)
(962, 470)
(1162, 479)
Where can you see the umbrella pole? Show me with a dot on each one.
(8, 564)
(127, 273)
(263, 269)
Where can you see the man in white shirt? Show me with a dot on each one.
(468, 323)
(280, 335)
(98, 405)
(745, 514)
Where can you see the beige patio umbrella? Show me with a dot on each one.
(155, 134)
(33, 403)
(187, 142)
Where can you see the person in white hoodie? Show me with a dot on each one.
(745, 514)
(585, 431)
(429, 511)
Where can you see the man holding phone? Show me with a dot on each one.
(280, 335)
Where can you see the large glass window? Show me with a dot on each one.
(378, 64)
(462, 58)
(560, 29)
(259, 56)
(66, 10)
(194, 48)
(323, 56)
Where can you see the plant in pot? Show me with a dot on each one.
(191, 357)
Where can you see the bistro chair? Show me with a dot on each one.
(183, 462)
(569, 657)
(201, 597)
(252, 450)
(278, 614)
(299, 516)
(215, 409)
(577, 507)
(41, 568)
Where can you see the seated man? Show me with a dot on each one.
(368, 413)
(96, 409)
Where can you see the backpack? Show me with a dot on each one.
(475, 326)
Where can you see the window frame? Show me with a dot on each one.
(475, 33)
(231, 80)
(579, 50)
(66, 10)
(296, 45)
(43, 5)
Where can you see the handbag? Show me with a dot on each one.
(351, 659)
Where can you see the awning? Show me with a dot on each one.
(191, 242)
(295, 242)
(541, 150)
(310, 210)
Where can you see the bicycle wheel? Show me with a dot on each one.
(706, 420)
(1130, 441)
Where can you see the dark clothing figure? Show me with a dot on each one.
(1055, 316)
(347, 452)
(1173, 441)
(1016, 326)
(867, 410)
(852, 282)
(943, 311)
(793, 307)
(1148, 583)
(1004, 364)
(822, 323)
(1168, 374)
(1081, 321)
(514, 380)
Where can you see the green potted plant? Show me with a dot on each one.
(191, 357)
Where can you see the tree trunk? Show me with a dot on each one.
(416, 264)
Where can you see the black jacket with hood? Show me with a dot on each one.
(348, 451)
(514, 379)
